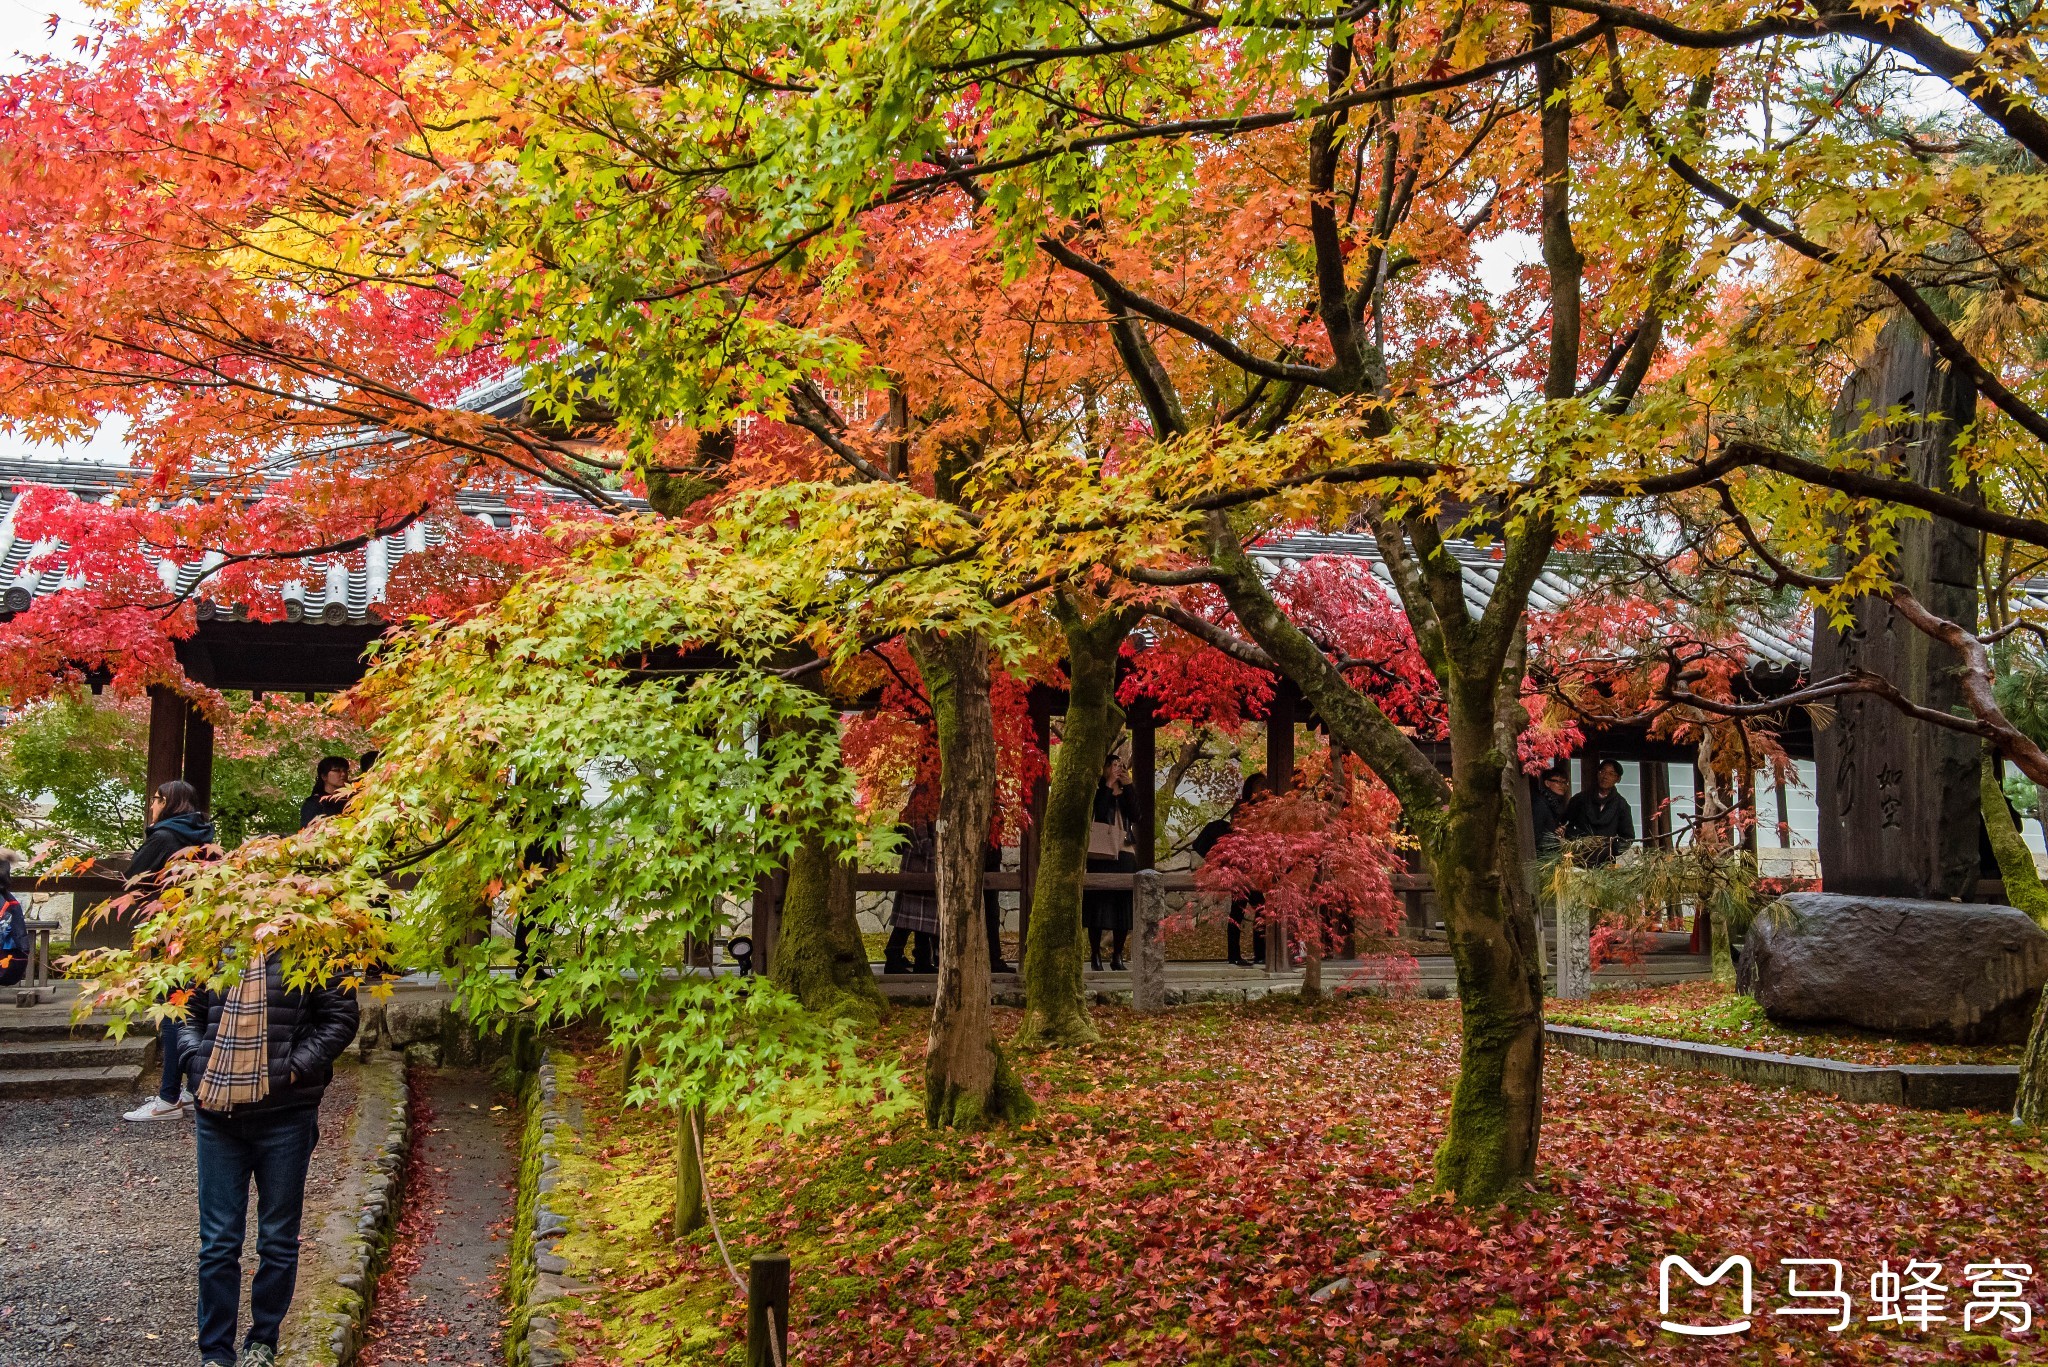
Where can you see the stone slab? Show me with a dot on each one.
(1927, 1087)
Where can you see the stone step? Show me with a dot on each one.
(16, 1056)
(29, 1083)
(40, 1024)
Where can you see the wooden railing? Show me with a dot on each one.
(88, 884)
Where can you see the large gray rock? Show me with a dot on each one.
(1961, 972)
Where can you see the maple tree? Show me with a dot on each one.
(1254, 248)
(1318, 863)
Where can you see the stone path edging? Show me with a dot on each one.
(539, 1276)
(335, 1332)
(1923, 1087)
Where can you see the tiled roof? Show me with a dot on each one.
(336, 590)
(1786, 643)
(345, 589)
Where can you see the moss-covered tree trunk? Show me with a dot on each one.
(2032, 1108)
(819, 954)
(2023, 890)
(968, 1082)
(1055, 1011)
(2015, 861)
(1489, 1146)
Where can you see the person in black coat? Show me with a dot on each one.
(914, 921)
(1206, 840)
(1553, 801)
(327, 797)
(1601, 815)
(175, 824)
(269, 1140)
(1110, 909)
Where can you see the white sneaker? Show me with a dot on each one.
(156, 1108)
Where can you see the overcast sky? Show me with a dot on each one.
(25, 31)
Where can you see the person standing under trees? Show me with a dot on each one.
(175, 823)
(1602, 815)
(1553, 803)
(258, 1059)
(1206, 839)
(1110, 850)
(14, 942)
(915, 917)
(326, 799)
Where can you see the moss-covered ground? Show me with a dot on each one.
(1709, 1013)
(1192, 1180)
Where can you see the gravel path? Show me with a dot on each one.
(440, 1297)
(99, 1231)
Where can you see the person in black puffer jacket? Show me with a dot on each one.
(175, 824)
(270, 1140)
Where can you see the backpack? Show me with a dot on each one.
(14, 942)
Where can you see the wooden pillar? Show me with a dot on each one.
(1655, 788)
(1145, 778)
(199, 756)
(1279, 778)
(1785, 818)
(166, 738)
(1280, 738)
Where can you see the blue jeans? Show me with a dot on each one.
(274, 1147)
(173, 1080)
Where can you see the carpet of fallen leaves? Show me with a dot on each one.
(1709, 1013)
(1191, 1181)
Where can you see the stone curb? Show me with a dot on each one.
(545, 1276)
(1922, 1087)
(366, 1248)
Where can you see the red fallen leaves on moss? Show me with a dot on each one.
(1189, 1184)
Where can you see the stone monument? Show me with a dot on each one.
(1898, 798)
(1574, 943)
(1148, 963)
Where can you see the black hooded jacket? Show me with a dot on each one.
(308, 1032)
(179, 832)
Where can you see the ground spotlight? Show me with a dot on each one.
(741, 948)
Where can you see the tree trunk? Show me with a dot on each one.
(2015, 861)
(1497, 1107)
(1311, 967)
(1721, 945)
(689, 1212)
(2033, 1100)
(1713, 835)
(1489, 1148)
(968, 1083)
(819, 954)
(2023, 890)
(1055, 1012)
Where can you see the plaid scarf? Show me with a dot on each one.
(239, 1068)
